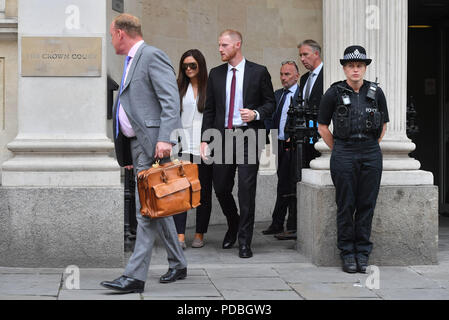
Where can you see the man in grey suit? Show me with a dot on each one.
(146, 112)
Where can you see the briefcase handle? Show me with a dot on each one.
(181, 171)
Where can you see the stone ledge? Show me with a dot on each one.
(389, 178)
(404, 229)
(8, 27)
(57, 227)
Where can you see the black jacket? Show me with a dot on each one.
(317, 90)
(257, 95)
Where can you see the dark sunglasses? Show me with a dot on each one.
(192, 66)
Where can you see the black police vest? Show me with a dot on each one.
(356, 116)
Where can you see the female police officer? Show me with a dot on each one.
(358, 110)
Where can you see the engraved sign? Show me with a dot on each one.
(117, 5)
(2, 93)
(61, 57)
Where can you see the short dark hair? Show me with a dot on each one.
(311, 43)
(128, 23)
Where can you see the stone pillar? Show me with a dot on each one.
(380, 26)
(61, 198)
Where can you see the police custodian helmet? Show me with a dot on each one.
(355, 53)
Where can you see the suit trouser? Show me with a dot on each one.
(286, 190)
(223, 182)
(356, 170)
(204, 210)
(139, 263)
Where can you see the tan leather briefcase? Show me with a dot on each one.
(169, 188)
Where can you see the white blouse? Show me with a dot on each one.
(191, 123)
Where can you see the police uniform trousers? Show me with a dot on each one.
(138, 264)
(356, 170)
(286, 189)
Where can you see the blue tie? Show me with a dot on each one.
(278, 114)
(120, 92)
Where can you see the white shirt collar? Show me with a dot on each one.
(317, 70)
(239, 67)
(134, 48)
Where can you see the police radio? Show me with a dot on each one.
(374, 117)
(341, 117)
(372, 90)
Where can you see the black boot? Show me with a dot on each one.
(349, 264)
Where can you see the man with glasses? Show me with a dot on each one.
(286, 187)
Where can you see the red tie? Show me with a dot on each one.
(231, 100)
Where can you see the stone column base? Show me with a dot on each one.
(404, 229)
(58, 227)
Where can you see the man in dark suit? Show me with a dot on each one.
(145, 114)
(239, 98)
(311, 88)
(286, 187)
(311, 85)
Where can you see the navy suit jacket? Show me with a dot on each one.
(317, 90)
(257, 95)
(273, 123)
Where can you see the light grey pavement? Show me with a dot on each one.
(276, 272)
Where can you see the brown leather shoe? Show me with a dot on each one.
(286, 235)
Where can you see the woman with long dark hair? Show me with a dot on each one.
(192, 82)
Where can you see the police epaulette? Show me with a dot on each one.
(335, 83)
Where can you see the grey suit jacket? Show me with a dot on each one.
(150, 99)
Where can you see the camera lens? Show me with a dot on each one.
(342, 111)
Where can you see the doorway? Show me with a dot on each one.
(428, 89)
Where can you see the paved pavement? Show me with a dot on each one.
(276, 272)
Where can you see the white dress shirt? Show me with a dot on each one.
(238, 98)
(313, 78)
(291, 93)
(191, 123)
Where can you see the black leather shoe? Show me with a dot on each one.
(173, 274)
(349, 265)
(273, 230)
(245, 251)
(229, 240)
(125, 284)
(362, 264)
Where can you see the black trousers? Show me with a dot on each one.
(223, 181)
(286, 189)
(204, 210)
(356, 170)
